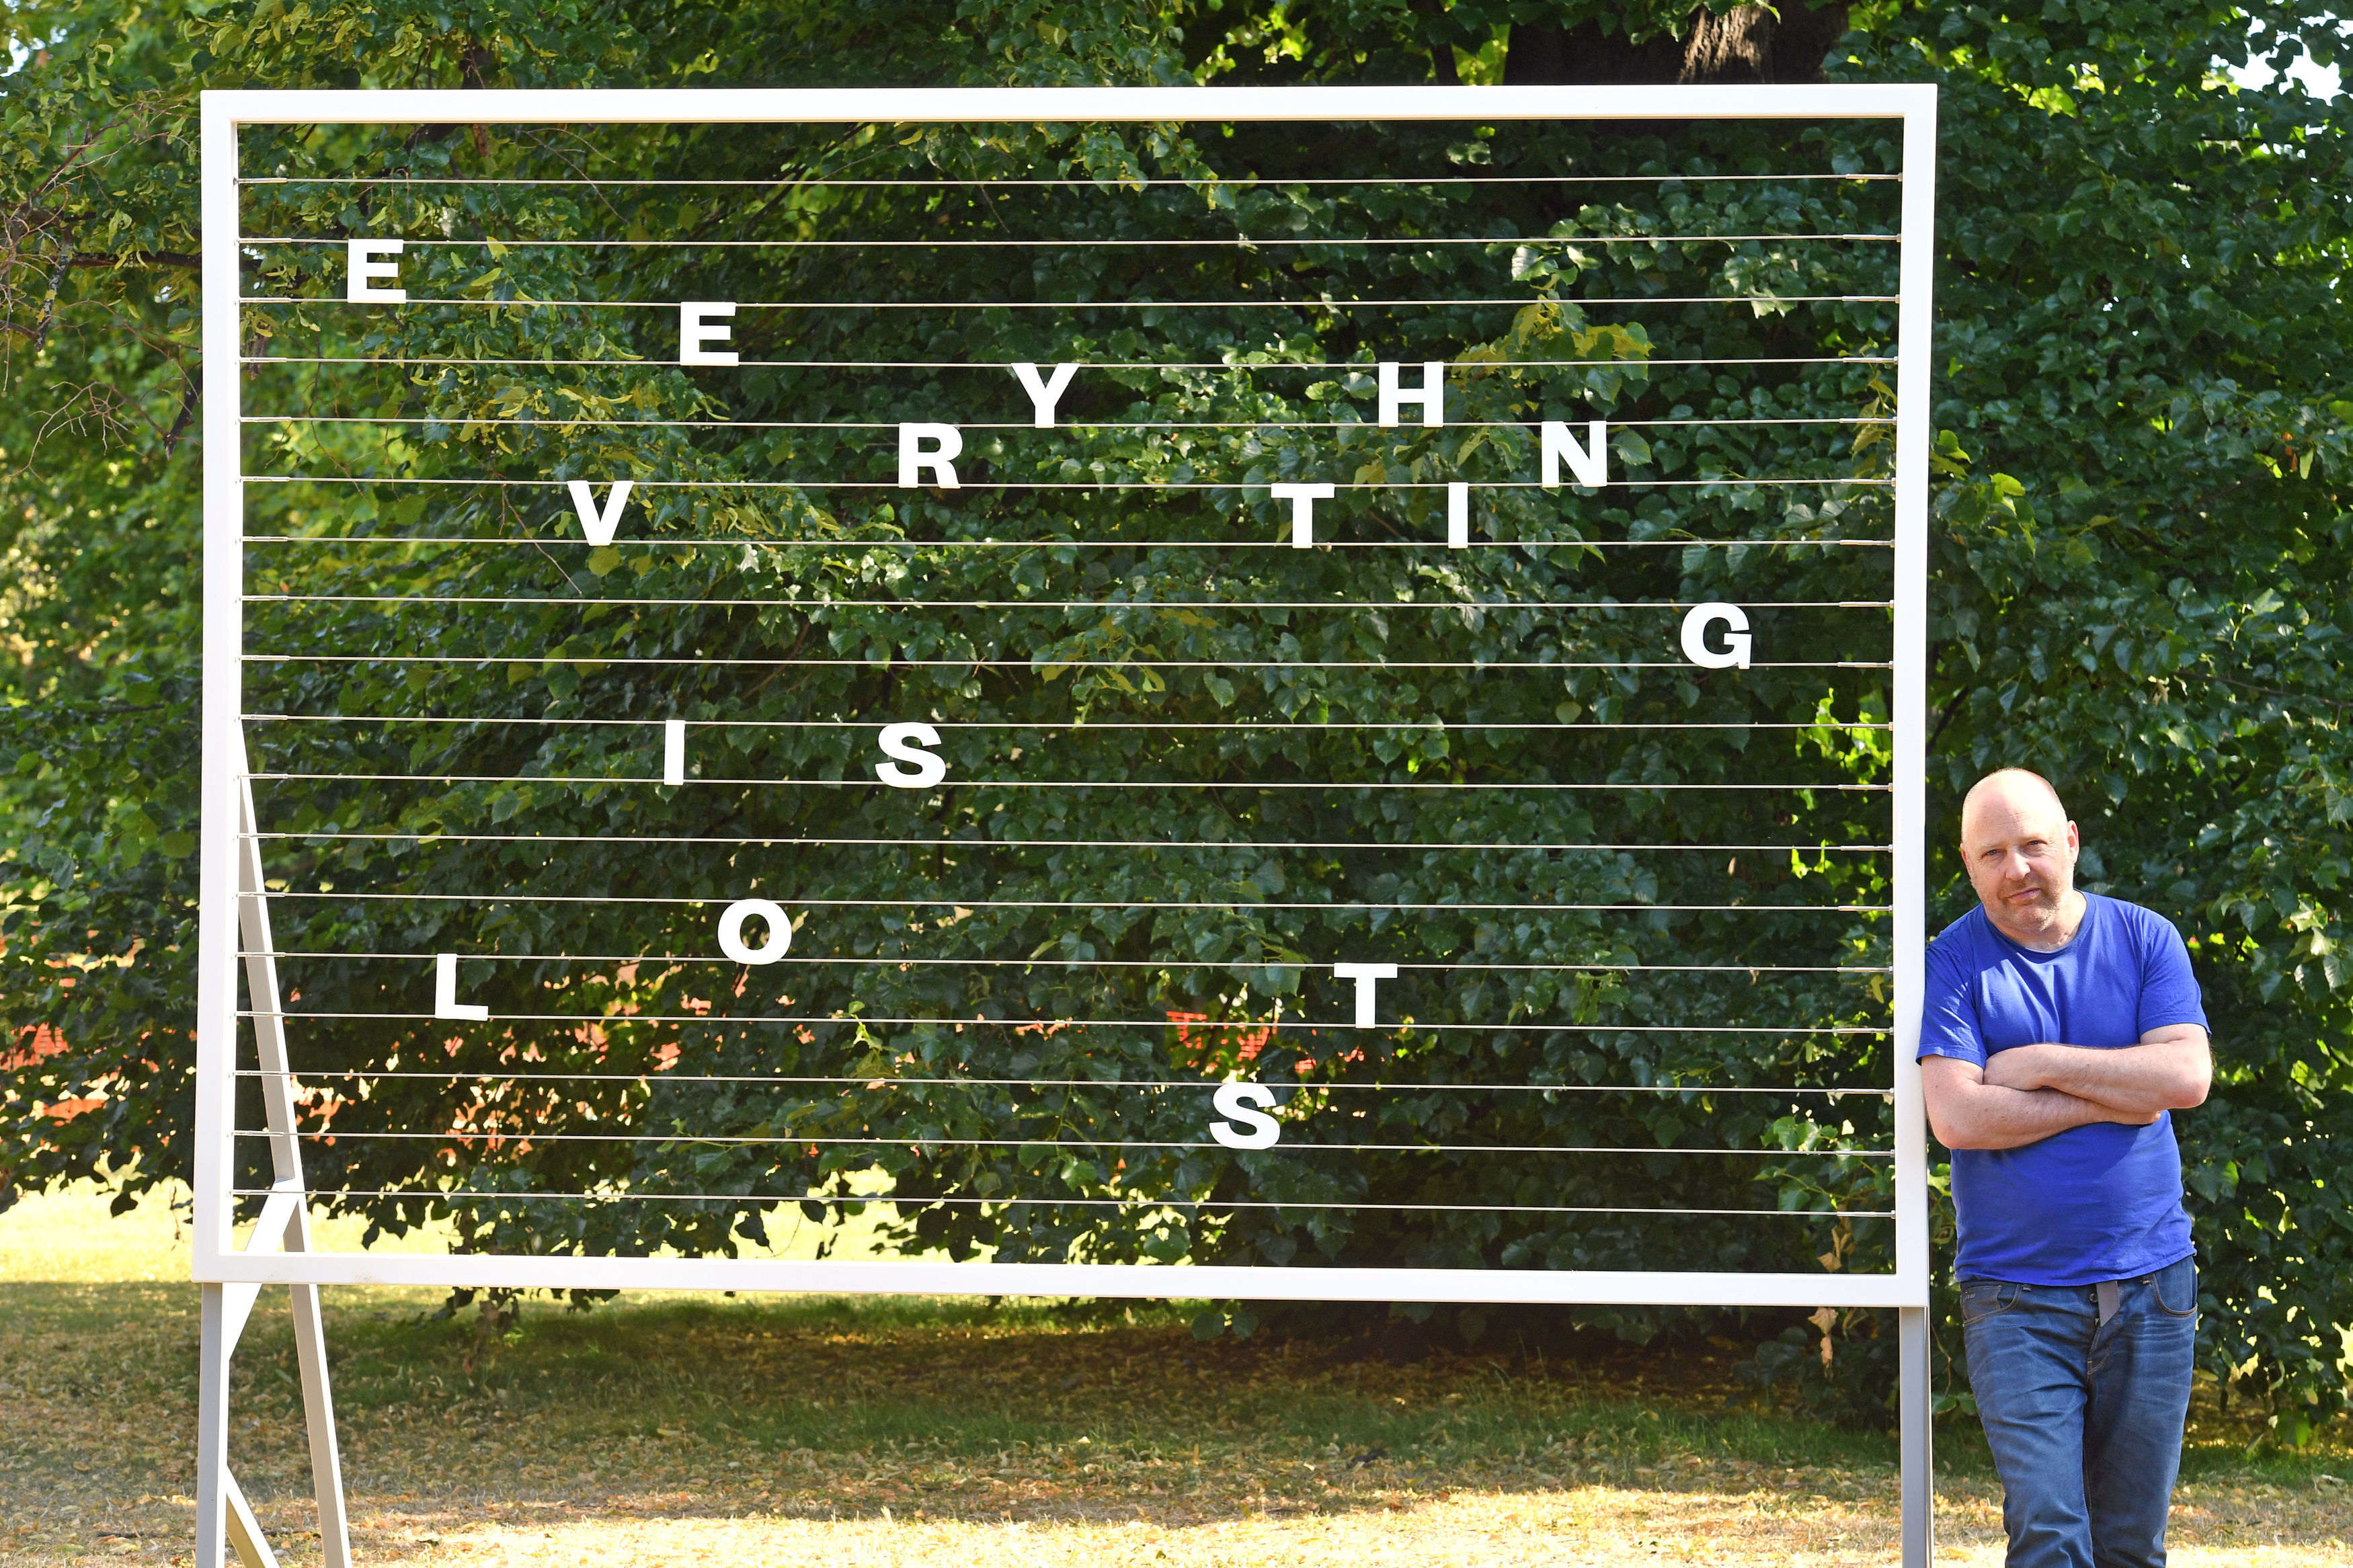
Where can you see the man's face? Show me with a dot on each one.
(2020, 850)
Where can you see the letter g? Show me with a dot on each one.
(1700, 619)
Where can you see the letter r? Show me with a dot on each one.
(947, 445)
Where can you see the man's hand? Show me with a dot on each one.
(2170, 1069)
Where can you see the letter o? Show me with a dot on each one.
(1736, 640)
(731, 932)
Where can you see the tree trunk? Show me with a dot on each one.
(1745, 44)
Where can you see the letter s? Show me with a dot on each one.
(1696, 625)
(1247, 1129)
(906, 742)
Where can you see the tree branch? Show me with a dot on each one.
(2279, 691)
(181, 259)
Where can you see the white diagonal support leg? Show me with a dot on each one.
(245, 1531)
(286, 1166)
(319, 1407)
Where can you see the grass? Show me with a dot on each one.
(785, 1431)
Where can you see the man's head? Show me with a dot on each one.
(2021, 852)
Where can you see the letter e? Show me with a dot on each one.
(698, 324)
(366, 271)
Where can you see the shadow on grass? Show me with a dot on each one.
(812, 1408)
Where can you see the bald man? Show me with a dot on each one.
(2061, 1030)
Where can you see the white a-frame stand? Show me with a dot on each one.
(284, 1227)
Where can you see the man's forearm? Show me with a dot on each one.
(1988, 1116)
(2135, 1080)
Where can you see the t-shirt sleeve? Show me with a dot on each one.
(2168, 987)
(1948, 1020)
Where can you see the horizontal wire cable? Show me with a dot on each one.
(1165, 1023)
(1479, 605)
(1076, 305)
(1208, 784)
(1019, 1025)
(1732, 481)
(1252, 845)
(1435, 727)
(1048, 664)
(1224, 964)
(740, 541)
(440, 1194)
(1084, 903)
(1108, 187)
(1240, 242)
(562, 421)
(868, 1080)
(999, 365)
(1059, 664)
(745, 1141)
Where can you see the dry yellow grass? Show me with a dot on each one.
(808, 1432)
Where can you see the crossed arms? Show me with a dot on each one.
(2027, 1093)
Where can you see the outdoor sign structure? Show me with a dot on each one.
(1249, 694)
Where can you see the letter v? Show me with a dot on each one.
(598, 526)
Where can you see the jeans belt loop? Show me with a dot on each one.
(2104, 1292)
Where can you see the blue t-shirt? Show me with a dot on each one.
(2094, 1203)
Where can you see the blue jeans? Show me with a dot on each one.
(2085, 1418)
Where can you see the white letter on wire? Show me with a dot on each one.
(595, 526)
(365, 269)
(731, 932)
(1458, 515)
(906, 742)
(1432, 396)
(1245, 1128)
(939, 459)
(1736, 640)
(673, 751)
(1044, 394)
(1366, 975)
(1589, 464)
(1302, 500)
(698, 323)
(445, 992)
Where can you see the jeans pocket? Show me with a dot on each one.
(1983, 1299)
(2177, 1290)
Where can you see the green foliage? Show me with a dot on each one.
(1093, 644)
(2139, 321)
(2140, 556)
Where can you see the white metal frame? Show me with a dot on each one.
(232, 883)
